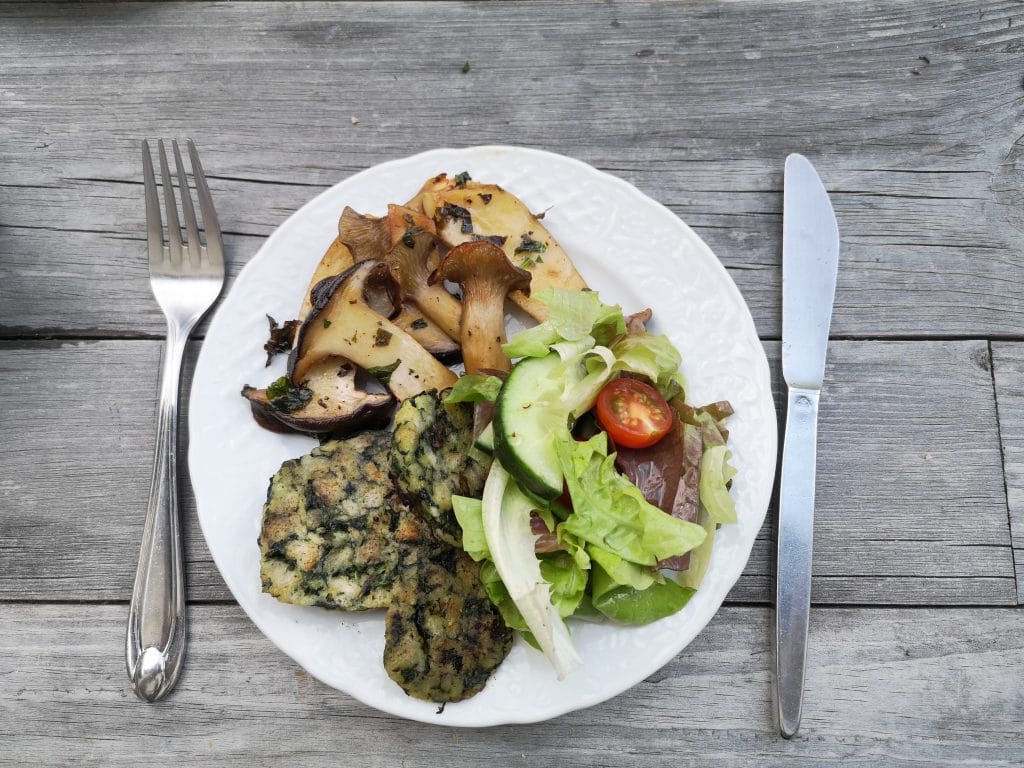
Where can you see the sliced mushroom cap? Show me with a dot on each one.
(486, 277)
(472, 211)
(344, 324)
(424, 199)
(336, 260)
(409, 262)
(403, 223)
(427, 334)
(371, 238)
(336, 405)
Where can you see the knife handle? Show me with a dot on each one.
(793, 571)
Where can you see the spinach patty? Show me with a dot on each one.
(338, 533)
(430, 460)
(328, 527)
(443, 638)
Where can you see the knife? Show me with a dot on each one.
(810, 260)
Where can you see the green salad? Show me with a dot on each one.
(561, 531)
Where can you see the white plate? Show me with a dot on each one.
(634, 252)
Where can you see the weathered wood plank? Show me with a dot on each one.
(909, 510)
(1008, 376)
(885, 687)
(911, 112)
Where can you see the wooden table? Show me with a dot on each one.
(912, 112)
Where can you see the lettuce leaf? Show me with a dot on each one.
(532, 342)
(469, 513)
(474, 388)
(568, 581)
(573, 316)
(621, 571)
(700, 557)
(715, 473)
(628, 605)
(654, 356)
(611, 513)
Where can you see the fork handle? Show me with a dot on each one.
(155, 643)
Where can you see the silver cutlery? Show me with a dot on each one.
(810, 261)
(186, 278)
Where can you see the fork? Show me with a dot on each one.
(186, 279)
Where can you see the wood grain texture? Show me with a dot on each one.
(911, 111)
(885, 688)
(1008, 377)
(909, 511)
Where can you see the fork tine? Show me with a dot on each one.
(214, 242)
(154, 226)
(193, 246)
(173, 227)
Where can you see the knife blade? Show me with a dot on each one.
(810, 262)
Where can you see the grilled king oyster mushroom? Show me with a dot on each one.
(329, 403)
(486, 277)
(470, 211)
(343, 323)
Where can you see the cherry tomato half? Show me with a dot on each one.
(633, 413)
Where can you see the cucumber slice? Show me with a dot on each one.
(528, 413)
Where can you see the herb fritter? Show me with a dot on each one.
(430, 460)
(328, 527)
(443, 638)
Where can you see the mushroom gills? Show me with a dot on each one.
(343, 324)
(371, 238)
(409, 263)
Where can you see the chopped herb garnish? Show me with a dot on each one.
(281, 337)
(285, 396)
(327, 323)
(465, 68)
(383, 373)
(462, 178)
(418, 323)
(498, 240)
(457, 212)
(529, 245)
(382, 339)
(409, 238)
(526, 263)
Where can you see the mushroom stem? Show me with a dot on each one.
(408, 262)
(483, 324)
(486, 277)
